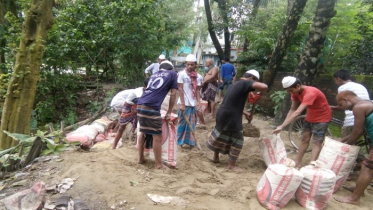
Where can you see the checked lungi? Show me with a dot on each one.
(226, 142)
(208, 91)
(150, 120)
(184, 135)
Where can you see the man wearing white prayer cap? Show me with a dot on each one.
(318, 115)
(154, 67)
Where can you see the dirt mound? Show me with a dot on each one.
(249, 130)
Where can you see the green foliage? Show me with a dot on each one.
(4, 82)
(278, 99)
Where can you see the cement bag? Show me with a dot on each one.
(338, 157)
(273, 150)
(317, 187)
(29, 199)
(278, 185)
(169, 141)
(85, 135)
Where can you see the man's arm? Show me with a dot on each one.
(171, 103)
(261, 87)
(358, 130)
(295, 110)
(148, 69)
(211, 75)
(181, 95)
(198, 97)
(336, 108)
(234, 72)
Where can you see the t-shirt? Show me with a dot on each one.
(360, 91)
(368, 125)
(229, 114)
(154, 67)
(227, 71)
(318, 109)
(119, 99)
(160, 83)
(183, 78)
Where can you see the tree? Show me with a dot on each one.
(283, 41)
(211, 30)
(21, 91)
(309, 63)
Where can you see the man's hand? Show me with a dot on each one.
(221, 81)
(249, 118)
(167, 117)
(182, 107)
(277, 130)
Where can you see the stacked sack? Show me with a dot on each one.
(280, 181)
(316, 188)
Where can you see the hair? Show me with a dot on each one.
(297, 82)
(247, 75)
(346, 93)
(166, 66)
(343, 74)
(227, 59)
(146, 81)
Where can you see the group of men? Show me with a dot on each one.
(227, 136)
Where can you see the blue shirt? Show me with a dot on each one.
(158, 86)
(227, 71)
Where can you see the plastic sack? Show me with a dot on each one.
(317, 187)
(29, 199)
(273, 150)
(338, 157)
(278, 185)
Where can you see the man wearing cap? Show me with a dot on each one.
(210, 85)
(189, 83)
(148, 109)
(318, 115)
(227, 73)
(227, 135)
(154, 67)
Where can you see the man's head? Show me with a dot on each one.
(341, 76)
(226, 60)
(292, 84)
(166, 65)
(347, 99)
(252, 75)
(209, 62)
(161, 58)
(146, 81)
(191, 62)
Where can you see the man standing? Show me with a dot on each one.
(318, 115)
(363, 112)
(227, 135)
(154, 67)
(210, 85)
(148, 109)
(227, 73)
(189, 83)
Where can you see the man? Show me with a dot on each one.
(210, 85)
(119, 99)
(343, 79)
(318, 115)
(148, 109)
(227, 135)
(154, 67)
(362, 111)
(227, 73)
(189, 83)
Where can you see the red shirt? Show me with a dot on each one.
(318, 109)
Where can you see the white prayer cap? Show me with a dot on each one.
(130, 97)
(162, 57)
(254, 72)
(191, 58)
(288, 81)
(168, 62)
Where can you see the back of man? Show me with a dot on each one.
(119, 99)
(227, 71)
(229, 114)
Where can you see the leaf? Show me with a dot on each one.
(46, 152)
(20, 137)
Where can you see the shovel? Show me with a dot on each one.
(191, 130)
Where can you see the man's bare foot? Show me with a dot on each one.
(347, 200)
(351, 189)
(162, 167)
(141, 160)
(216, 160)
(235, 168)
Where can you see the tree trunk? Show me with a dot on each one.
(283, 41)
(222, 4)
(21, 92)
(309, 60)
(251, 20)
(211, 30)
(290, 5)
(2, 40)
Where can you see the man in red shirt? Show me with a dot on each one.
(318, 116)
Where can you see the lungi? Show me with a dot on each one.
(208, 91)
(184, 134)
(129, 115)
(226, 142)
(150, 120)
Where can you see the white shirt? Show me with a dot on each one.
(119, 99)
(360, 91)
(154, 67)
(187, 85)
